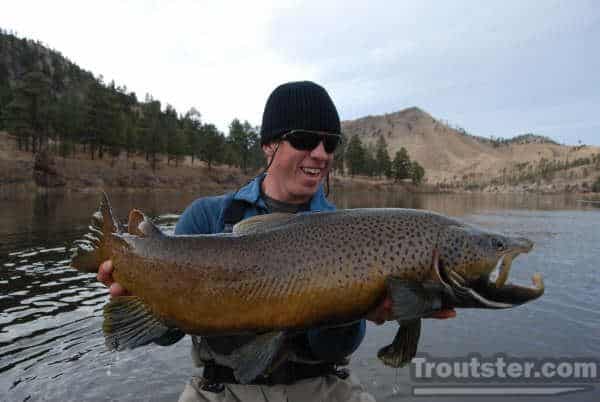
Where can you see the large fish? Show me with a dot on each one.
(279, 274)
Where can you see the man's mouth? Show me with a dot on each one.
(312, 172)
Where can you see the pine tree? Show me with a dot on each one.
(355, 156)
(382, 157)
(401, 165)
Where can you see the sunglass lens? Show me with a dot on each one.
(307, 141)
(304, 141)
(330, 143)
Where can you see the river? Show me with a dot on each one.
(52, 349)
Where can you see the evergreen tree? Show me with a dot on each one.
(28, 115)
(192, 130)
(355, 156)
(150, 131)
(417, 172)
(212, 145)
(243, 141)
(382, 157)
(401, 165)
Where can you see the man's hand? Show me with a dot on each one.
(383, 312)
(105, 271)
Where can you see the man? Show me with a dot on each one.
(299, 133)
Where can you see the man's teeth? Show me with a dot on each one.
(311, 171)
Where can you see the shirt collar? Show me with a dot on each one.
(250, 193)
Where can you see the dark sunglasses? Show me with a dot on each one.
(306, 140)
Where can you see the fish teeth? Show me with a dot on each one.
(504, 270)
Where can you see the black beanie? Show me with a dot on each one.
(298, 105)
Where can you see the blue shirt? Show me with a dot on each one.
(206, 216)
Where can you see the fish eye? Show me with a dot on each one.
(497, 244)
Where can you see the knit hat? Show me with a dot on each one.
(298, 105)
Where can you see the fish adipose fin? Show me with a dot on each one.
(128, 323)
(256, 357)
(263, 223)
(92, 250)
(404, 346)
(410, 302)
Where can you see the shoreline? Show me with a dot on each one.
(23, 176)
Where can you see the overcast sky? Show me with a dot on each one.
(496, 68)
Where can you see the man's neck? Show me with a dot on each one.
(272, 189)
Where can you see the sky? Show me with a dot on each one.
(494, 68)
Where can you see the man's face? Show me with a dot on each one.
(295, 175)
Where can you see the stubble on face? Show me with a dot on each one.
(295, 176)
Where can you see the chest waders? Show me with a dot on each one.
(216, 375)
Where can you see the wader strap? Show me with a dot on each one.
(233, 213)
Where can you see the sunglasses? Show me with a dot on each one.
(306, 140)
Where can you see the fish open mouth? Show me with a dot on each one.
(487, 292)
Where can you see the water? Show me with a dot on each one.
(51, 345)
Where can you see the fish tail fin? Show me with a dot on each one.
(129, 323)
(92, 250)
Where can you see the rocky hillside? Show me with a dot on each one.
(454, 158)
(19, 56)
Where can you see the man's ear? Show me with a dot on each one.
(269, 149)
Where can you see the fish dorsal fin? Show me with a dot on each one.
(262, 223)
(136, 217)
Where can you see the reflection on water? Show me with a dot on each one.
(51, 345)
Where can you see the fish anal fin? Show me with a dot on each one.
(404, 346)
(411, 299)
(129, 323)
(256, 357)
(261, 223)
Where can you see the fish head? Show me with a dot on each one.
(468, 259)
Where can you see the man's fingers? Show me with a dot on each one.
(105, 273)
(443, 314)
(117, 290)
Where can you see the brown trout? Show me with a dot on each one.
(279, 274)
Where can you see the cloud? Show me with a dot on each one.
(495, 69)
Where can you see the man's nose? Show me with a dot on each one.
(319, 152)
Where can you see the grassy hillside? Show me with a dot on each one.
(454, 159)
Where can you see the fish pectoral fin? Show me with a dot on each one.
(261, 223)
(412, 300)
(255, 358)
(404, 346)
(128, 323)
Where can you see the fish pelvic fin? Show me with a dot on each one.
(256, 357)
(404, 346)
(129, 323)
(411, 299)
(93, 249)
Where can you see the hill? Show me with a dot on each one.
(455, 159)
